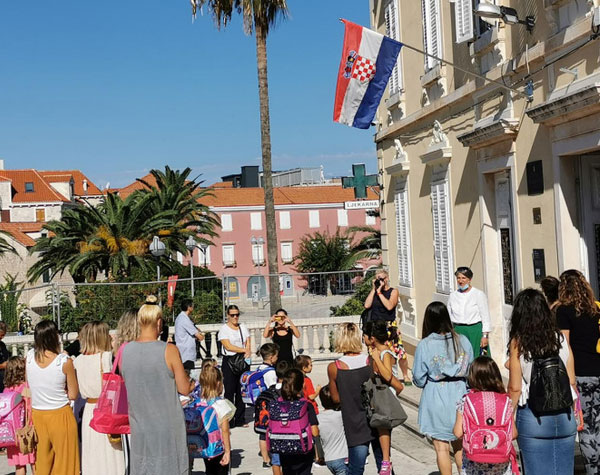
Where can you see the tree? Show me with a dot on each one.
(258, 17)
(369, 245)
(10, 308)
(323, 252)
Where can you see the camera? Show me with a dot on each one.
(378, 282)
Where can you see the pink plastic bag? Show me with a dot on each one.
(111, 415)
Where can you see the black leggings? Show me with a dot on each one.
(214, 467)
(233, 392)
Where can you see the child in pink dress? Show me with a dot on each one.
(14, 380)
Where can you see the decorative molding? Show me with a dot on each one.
(437, 155)
(485, 42)
(568, 106)
(398, 168)
(432, 75)
(497, 131)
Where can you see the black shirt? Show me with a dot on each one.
(4, 355)
(285, 343)
(583, 337)
(379, 311)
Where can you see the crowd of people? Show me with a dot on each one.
(554, 333)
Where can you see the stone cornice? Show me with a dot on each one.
(398, 168)
(582, 102)
(439, 154)
(497, 131)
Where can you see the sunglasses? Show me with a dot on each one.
(234, 314)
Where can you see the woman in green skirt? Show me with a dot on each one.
(469, 311)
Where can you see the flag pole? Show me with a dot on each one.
(529, 97)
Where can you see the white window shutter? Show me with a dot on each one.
(313, 218)
(226, 222)
(442, 236)
(284, 220)
(392, 30)
(432, 31)
(463, 10)
(403, 235)
(342, 215)
(256, 221)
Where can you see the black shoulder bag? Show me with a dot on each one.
(237, 363)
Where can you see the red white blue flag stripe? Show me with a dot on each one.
(368, 59)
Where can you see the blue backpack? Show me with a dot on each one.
(204, 437)
(253, 384)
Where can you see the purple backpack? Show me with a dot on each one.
(11, 417)
(289, 430)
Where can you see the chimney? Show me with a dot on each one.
(85, 187)
(1, 164)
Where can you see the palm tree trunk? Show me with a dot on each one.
(265, 135)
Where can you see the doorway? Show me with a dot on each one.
(590, 216)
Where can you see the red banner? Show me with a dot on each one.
(171, 290)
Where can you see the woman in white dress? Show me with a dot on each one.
(99, 456)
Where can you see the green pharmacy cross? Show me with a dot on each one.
(359, 181)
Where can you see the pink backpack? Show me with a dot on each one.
(11, 417)
(488, 428)
(111, 414)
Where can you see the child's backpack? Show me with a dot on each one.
(549, 387)
(289, 431)
(253, 383)
(204, 437)
(488, 428)
(261, 409)
(11, 417)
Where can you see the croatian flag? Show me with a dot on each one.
(368, 59)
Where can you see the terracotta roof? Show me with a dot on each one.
(283, 196)
(78, 177)
(136, 185)
(19, 230)
(222, 184)
(227, 196)
(42, 190)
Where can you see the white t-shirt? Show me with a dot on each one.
(468, 308)
(331, 429)
(356, 361)
(270, 377)
(48, 385)
(234, 337)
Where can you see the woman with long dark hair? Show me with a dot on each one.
(235, 339)
(282, 330)
(441, 366)
(578, 318)
(547, 442)
(53, 382)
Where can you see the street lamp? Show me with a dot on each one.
(191, 244)
(157, 249)
(258, 242)
(507, 14)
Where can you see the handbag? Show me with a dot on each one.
(26, 435)
(111, 414)
(384, 410)
(237, 363)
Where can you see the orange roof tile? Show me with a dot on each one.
(19, 230)
(42, 191)
(78, 177)
(228, 196)
(222, 184)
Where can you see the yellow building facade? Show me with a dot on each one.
(473, 172)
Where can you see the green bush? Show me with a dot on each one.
(355, 304)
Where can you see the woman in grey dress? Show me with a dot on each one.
(154, 374)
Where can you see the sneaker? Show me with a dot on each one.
(267, 465)
(386, 468)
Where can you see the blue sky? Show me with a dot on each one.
(116, 88)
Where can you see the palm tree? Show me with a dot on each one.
(175, 191)
(369, 245)
(258, 16)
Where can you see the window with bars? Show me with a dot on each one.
(442, 236)
(392, 30)
(403, 234)
(432, 31)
